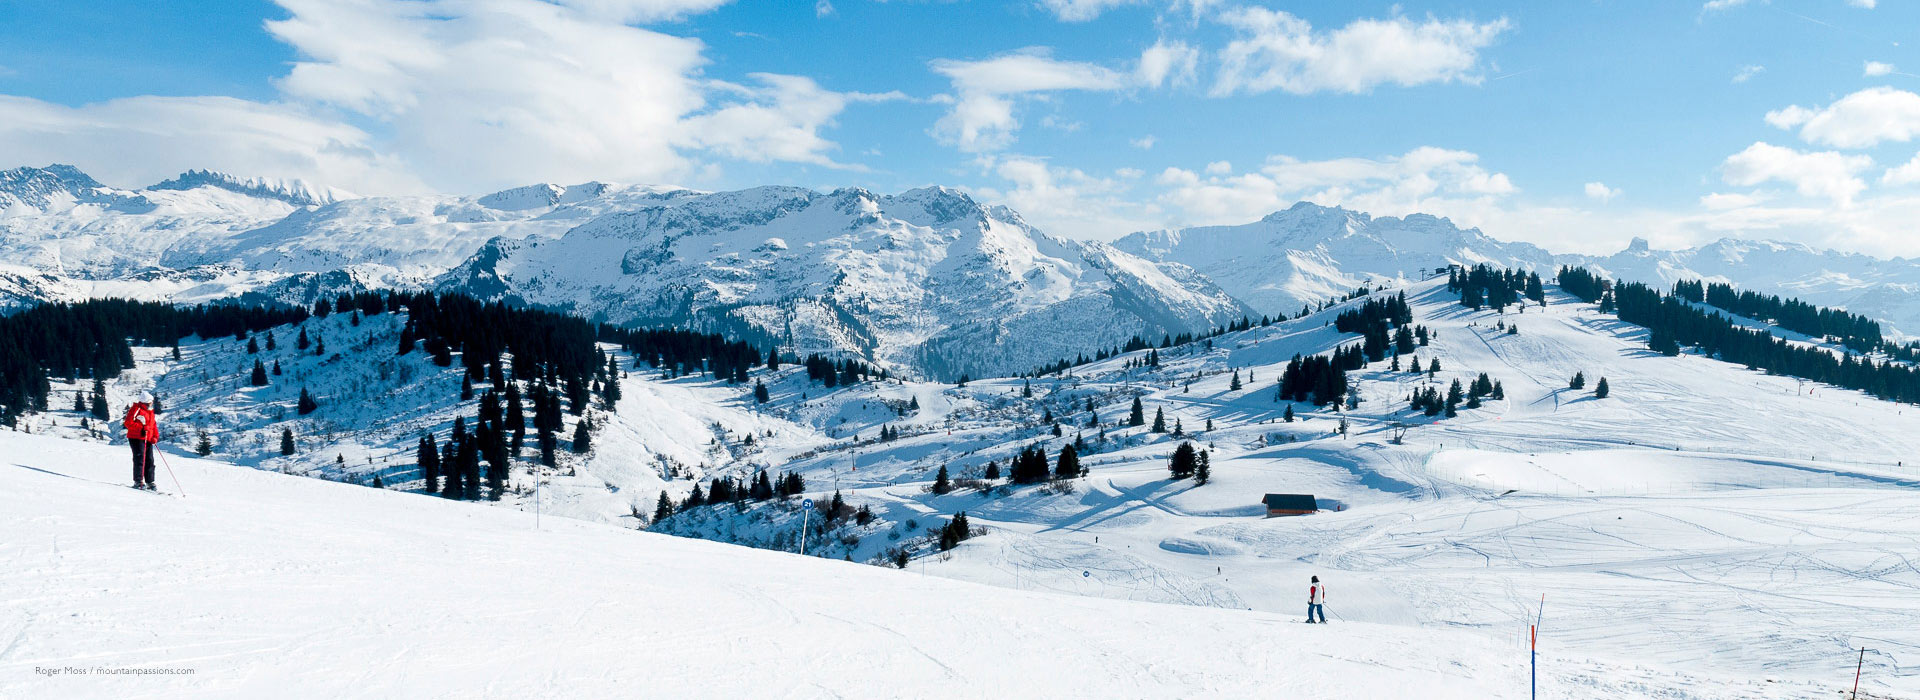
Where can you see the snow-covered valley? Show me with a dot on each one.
(1705, 531)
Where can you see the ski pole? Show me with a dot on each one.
(170, 474)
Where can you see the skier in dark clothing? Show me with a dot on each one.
(1316, 599)
(143, 429)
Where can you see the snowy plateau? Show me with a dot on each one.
(1704, 531)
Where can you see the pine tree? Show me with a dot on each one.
(1203, 470)
(204, 446)
(253, 346)
(663, 509)
(286, 442)
(1183, 462)
(993, 471)
(1600, 390)
(583, 436)
(466, 388)
(760, 394)
(1068, 466)
(1289, 415)
(259, 374)
(302, 342)
(276, 368)
(941, 485)
(270, 344)
(79, 402)
(1159, 421)
(428, 457)
(1235, 386)
(306, 403)
(1138, 417)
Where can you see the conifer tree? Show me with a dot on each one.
(1138, 416)
(516, 417)
(259, 374)
(79, 402)
(253, 346)
(1183, 462)
(663, 509)
(204, 446)
(583, 436)
(1068, 466)
(306, 403)
(286, 442)
(428, 457)
(1289, 415)
(276, 368)
(760, 394)
(941, 485)
(1600, 390)
(1203, 470)
(302, 342)
(466, 388)
(1235, 386)
(270, 344)
(1159, 421)
(1579, 381)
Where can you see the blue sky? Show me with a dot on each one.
(1576, 125)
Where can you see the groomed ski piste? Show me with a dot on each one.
(1706, 531)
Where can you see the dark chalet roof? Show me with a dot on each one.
(1290, 501)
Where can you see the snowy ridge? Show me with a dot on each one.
(926, 280)
(296, 192)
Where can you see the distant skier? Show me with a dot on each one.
(143, 429)
(1316, 598)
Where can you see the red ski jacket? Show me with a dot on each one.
(141, 424)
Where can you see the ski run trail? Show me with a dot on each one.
(1706, 532)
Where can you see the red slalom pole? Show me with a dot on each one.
(1856, 671)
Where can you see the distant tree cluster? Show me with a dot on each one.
(94, 339)
(1321, 379)
(1673, 323)
(1483, 286)
(1857, 332)
(682, 352)
(846, 372)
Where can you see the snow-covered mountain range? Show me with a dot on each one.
(928, 281)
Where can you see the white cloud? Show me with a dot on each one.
(1219, 167)
(1829, 174)
(1875, 69)
(465, 95)
(1908, 174)
(1601, 192)
(822, 8)
(1863, 4)
(1714, 5)
(1426, 179)
(137, 141)
(982, 117)
(1129, 173)
(1067, 201)
(1164, 61)
(1747, 72)
(1082, 10)
(1860, 120)
(1275, 50)
(1729, 200)
(632, 11)
(1144, 143)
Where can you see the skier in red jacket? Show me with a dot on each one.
(1316, 598)
(143, 429)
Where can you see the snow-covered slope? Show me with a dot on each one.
(263, 584)
(925, 280)
(1703, 517)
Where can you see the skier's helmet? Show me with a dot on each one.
(146, 397)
